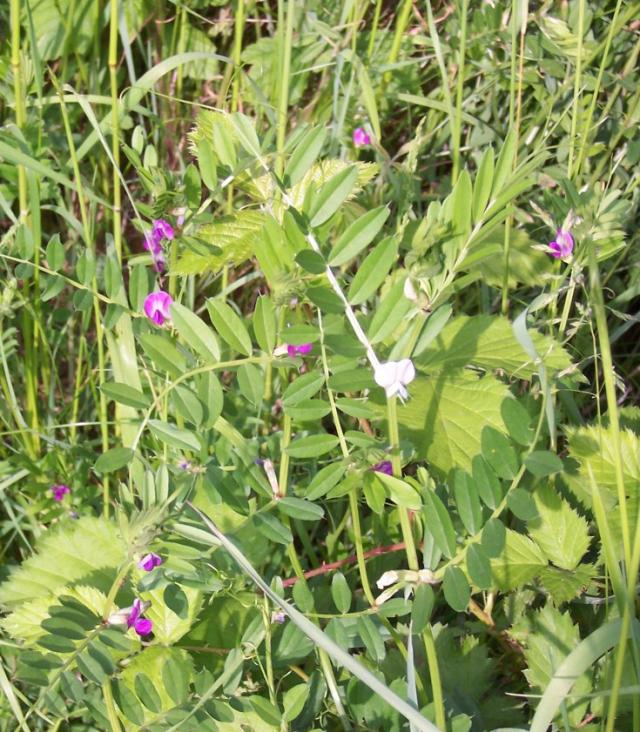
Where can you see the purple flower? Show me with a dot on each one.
(278, 616)
(150, 561)
(562, 246)
(360, 137)
(162, 230)
(141, 625)
(301, 350)
(156, 306)
(60, 491)
(383, 467)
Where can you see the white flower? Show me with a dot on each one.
(409, 290)
(394, 376)
(388, 578)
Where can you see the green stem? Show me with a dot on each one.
(402, 21)
(283, 82)
(115, 128)
(459, 92)
(374, 28)
(577, 81)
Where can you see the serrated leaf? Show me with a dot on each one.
(195, 332)
(357, 236)
(521, 560)
(456, 589)
(229, 325)
(373, 271)
(559, 531)
(438, 521)
(332, 195)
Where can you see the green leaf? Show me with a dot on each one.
(482, 185)
(400, 492)
(311, 261)
(192, 187)
(521, 504)
(57, 643)
(128, 703)
(147, 693)
(467, 501)
(340, 593)
(488, 341)
(313, 446)
(264, 324)
(332, 195)
(478, 567)
(368, 97)
(55, 253)
(559, 531)
(174, 436)
(456, 589)
(352, 380)
(125, 394)
(357, 236)
(265, 710)
(542, 463)
(324, 480)
(499, 453)
(164, 354)
(207, 164)
(521, 561)
(90, 667)
(517, 421)
(486, 481)
(493, 537)
(195, 332)
(246, 133)
(301, 509)
(187, 404)
(273, 529)
(438, 521)
(504, 166)
(293, 701)
(251, 383)
(305, 155)
(371, 638)
(423, 602)
(229, 326)
(310, 410)
(446, 414)
(390, 313)
(302, 388)
(434, 324)
(373, 271)
(113, 459)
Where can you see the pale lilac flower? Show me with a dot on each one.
(383, 467)
(141, 625)
(156, 306)
(562, 246)
(60, 491)
(150, 561)
(301, 350)
(360, 137)
(278, 616)
(394, 376)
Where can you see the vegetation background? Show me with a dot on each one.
(217, 519)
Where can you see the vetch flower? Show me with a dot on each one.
(360, 137)
(141, 625)
(388, 578)
(162, 229)
(278, 616)
(394, 376)
(150, 561)
(301, 350)
(383, 467)
(562, 246)
(60, 491)
(156, 306)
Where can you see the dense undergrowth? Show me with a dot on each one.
(319, 365)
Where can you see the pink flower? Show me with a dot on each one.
(156, 306)
(141, 625)
(150, 561)
(162, 230)
(60, 491)
(360, 137)
(562, 246)
(383, 467)
(301, 350)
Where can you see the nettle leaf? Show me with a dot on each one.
(446, 414)
(548, 636)
(559, 531)
(563, 585)
(488, 341)
(521, 560)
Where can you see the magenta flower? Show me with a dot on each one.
(141, 625)
(383, 467)
(156, 306)
(150, 561)
(562, 246)
(162, 230)
(60, 491)
(360, 137)
(302, 350)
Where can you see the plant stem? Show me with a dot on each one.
(459, 92)
(577, 81)
(115, 128)
(283, 83)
